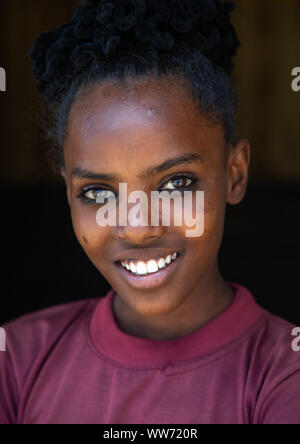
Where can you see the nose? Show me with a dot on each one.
(140, 234)
(136, 228)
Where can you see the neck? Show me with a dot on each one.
(211, 297)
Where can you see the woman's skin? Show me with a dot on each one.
(123, 132)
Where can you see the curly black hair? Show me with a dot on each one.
(119, 39)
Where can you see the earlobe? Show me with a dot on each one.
(238, 166)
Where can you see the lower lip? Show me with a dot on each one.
(151, 280)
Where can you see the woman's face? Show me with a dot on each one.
(151, 137)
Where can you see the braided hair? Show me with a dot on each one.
(115, 39)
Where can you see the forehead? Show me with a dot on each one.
(144, 117)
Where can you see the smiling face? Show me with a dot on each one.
(151, 137)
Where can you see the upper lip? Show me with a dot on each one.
(144, 255)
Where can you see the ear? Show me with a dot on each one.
(237, 171)
(64, 175)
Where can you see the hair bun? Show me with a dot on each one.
(99, 28)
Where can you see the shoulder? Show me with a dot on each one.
(275, 371)
(42, 324)
(276, 337)
(273, 345)
(33, 336)
(30, 341)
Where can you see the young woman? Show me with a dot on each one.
(141, 94)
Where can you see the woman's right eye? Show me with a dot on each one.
(97, 195)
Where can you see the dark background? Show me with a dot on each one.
(42, 262)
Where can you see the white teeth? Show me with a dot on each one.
(132, 267)
(168, 259)
(141, 268)
(161, 263)
(152, 266)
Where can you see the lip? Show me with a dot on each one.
(152, 280)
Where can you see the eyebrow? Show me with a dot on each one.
(169, 163)
(82, 173)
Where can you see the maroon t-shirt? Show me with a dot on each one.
(72, 364)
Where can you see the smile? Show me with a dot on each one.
(151, 273)
(141, 268)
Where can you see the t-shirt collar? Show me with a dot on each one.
(116, 345)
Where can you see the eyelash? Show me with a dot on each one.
(191, 186)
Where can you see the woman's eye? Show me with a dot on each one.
(97, 193)
(177, 183)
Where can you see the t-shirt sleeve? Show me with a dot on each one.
(8, 390)
(282, 405)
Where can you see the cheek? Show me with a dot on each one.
(212, 215)
(88, 233)
(204, 209)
